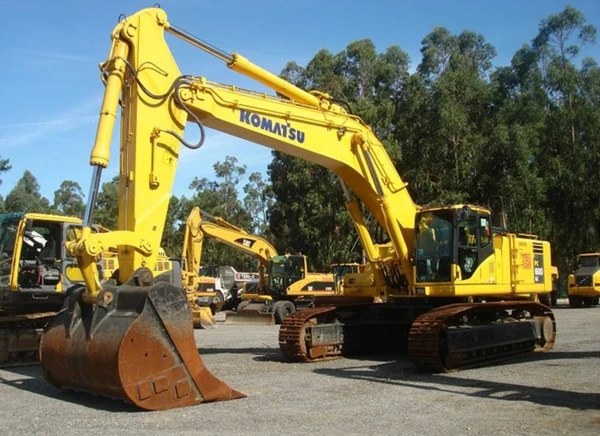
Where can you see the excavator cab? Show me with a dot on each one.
(284, 271)
(34, 263)
(451, 236)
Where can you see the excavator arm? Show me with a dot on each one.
(217, 228)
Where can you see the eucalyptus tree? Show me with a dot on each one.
(68, 199)
(26, 196)
(570, 139)
(308, 214)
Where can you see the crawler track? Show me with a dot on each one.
(447, 338)
(428, 340)
(20, 338)
(293, 331)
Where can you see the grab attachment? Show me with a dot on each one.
(136, 344)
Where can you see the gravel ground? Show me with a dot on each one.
(554, 393)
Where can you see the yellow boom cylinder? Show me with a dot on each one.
(108, 114)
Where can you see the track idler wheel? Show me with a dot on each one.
(136, 344)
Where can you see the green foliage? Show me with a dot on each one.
(309, 216)
(107, 205)
(4, 167)
(218, 198)
(257, 202)
(68, 199)
(26, 196)
(172, 238)
(523, 138)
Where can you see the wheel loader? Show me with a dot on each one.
(584, 283)
(134, 341)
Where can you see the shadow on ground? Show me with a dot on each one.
(266, 354)
(401, 372)
(389, 370)
(32, 380)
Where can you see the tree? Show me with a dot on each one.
(220, 198)
(4, 166)
(230, 173)
(26, 196)
(308, 213)
(172, 238)
(107, 205)
(570, 140)
(556, 48)
(258, 201)
(68, 199)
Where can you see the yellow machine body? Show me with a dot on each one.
(288, 287)
(584, 284)
(89, 345)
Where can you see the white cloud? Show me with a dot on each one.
(51, 56)
(23, 134)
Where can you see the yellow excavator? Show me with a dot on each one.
(204, 297)
(288, 287)
(283, 283)
(208, 226)
(134, 341)
(35, 272)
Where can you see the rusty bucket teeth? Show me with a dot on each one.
(136, 345)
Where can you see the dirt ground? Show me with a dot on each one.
(553, 393)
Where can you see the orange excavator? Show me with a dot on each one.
(134, 341)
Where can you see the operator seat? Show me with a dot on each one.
(49, 251)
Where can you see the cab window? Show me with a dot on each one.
(484, 231)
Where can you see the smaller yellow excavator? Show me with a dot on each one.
(208, 226)
(283, 284)
(201, 225)
(289, 287)
(202, 293)
(584, 283)
(35, 272)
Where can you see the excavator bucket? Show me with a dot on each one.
(137, 345)
(253, 314)
(203, 317)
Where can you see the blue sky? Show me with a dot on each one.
(50, 89)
